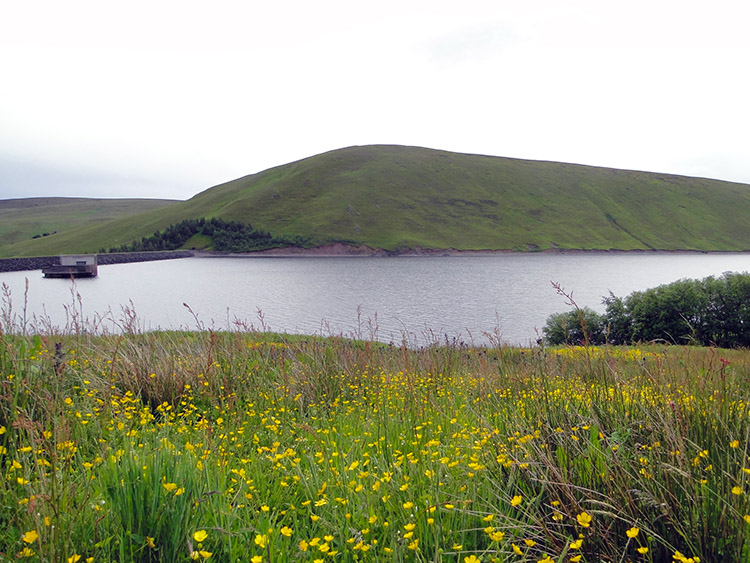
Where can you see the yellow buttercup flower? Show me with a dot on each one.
(632, 532)
(683, 559)
(200, 535)
(30, 536)
(497, 535)
(584, 519)
(516, 500)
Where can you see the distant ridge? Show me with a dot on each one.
(397, 198)
(22, 219)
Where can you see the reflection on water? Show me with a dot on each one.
(420, 299)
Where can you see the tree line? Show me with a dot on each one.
(226, 236)
(708, 312)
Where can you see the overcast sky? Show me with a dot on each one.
(162, 98)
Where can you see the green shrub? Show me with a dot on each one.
(708, 312)
(580, 326)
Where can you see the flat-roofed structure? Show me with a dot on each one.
(73, 266)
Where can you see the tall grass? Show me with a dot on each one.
(242, 446)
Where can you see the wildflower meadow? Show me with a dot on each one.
(249, 446)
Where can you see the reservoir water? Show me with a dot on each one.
(473, 299)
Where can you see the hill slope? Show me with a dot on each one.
(25, 218)
(396, 197)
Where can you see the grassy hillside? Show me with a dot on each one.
(403, 197)
(23, 219)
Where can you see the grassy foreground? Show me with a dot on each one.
(257, 447)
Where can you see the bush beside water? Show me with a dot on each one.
(708, 312)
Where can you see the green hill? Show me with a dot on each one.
(396, 197)
(28, 219)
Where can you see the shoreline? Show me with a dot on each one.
(343, 250)
(336, 250)
(39, 262)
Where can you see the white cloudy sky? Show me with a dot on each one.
(165, 98)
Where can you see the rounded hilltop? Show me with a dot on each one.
(397, 199)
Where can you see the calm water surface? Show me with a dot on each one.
(391, 299)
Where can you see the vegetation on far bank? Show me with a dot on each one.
(394, 197)
(237, 446)
(217, 234)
